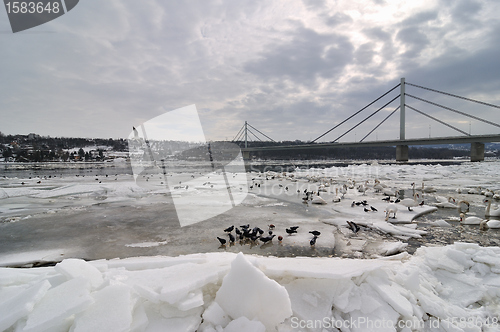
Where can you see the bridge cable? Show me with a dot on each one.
(251, 132)
(238, 133)
(366, 118)
(452, 95)
(453, 110)
(442, 122)
(261, 132)
(356, 113)
(238, 136)
(387, 117)
(239, 139)
(250, 137)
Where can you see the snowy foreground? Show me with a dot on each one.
(452, 288)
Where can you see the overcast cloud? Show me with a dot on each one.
(293, 69)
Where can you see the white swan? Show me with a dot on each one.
(378, 186)
(474, 191)
(343, 190)
(487, 193)
(463, 207)
(470, 220)
(491, 212)
(493, 224)
(336, 199)
(409, 203)
(391, 208)
(427, 189)
(446, 203)
(390, 192)
(318, 200)
(485, 224)
(442, 199)
(363, 187)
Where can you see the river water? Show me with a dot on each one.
(96, 210)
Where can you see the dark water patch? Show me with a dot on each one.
(291, 166)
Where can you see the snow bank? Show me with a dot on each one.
(438, 288)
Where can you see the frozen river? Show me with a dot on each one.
(126, 264)
(95, 211)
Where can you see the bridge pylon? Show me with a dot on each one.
(402, 150)
(243, 137)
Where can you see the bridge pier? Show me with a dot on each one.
(246, 160)
(476, 151)
(401, 152)
(246, 155)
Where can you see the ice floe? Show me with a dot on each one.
(438, 288)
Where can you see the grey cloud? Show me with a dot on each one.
(308, 56)
(465, 11)
(377, 33)
(314, 4)
(337, 19)
(364, 54)
(473, 72)
(419, 18)
(414, 39)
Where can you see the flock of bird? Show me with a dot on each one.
(246, 234)
(391, 209)
(393, 198)
(47, 177)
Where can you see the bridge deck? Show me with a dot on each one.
(416, 141)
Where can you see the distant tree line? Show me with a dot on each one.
(39, 148)
(27, 148)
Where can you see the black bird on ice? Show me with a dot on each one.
(355, 228)
(267, 239)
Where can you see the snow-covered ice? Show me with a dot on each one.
(437, 286)
(245, 287)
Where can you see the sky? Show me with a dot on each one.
(292, 69)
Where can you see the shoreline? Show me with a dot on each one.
(260, 163)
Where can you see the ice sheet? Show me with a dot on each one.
(161, 293)
(459, 280)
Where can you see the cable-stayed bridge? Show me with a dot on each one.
(249, 132)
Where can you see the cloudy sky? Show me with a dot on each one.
(292, 69)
